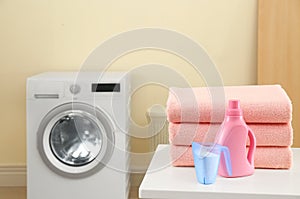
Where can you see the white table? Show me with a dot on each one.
(165, 181)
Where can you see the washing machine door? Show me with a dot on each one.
(76, 139)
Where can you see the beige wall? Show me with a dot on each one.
(55, 35)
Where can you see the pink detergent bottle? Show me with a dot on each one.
(233, 134)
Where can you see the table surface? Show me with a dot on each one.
(162, 180)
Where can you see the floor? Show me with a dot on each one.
(13, 192)
(20, 193)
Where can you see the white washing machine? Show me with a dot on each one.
(77, 141)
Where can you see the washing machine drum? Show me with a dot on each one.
(76, 139)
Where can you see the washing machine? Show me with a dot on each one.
(77, 135)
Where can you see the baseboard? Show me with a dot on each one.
(12, 175)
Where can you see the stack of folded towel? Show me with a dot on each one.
(195, 114)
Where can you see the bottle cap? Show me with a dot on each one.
(234, 108)
(234, 104)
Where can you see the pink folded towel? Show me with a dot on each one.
(266, 134)
(260, 104)
(265, 157)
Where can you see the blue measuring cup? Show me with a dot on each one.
(207, 159)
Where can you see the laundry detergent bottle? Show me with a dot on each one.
(234, 134)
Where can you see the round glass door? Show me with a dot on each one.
(75, 139)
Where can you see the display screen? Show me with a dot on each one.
(105, 87)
